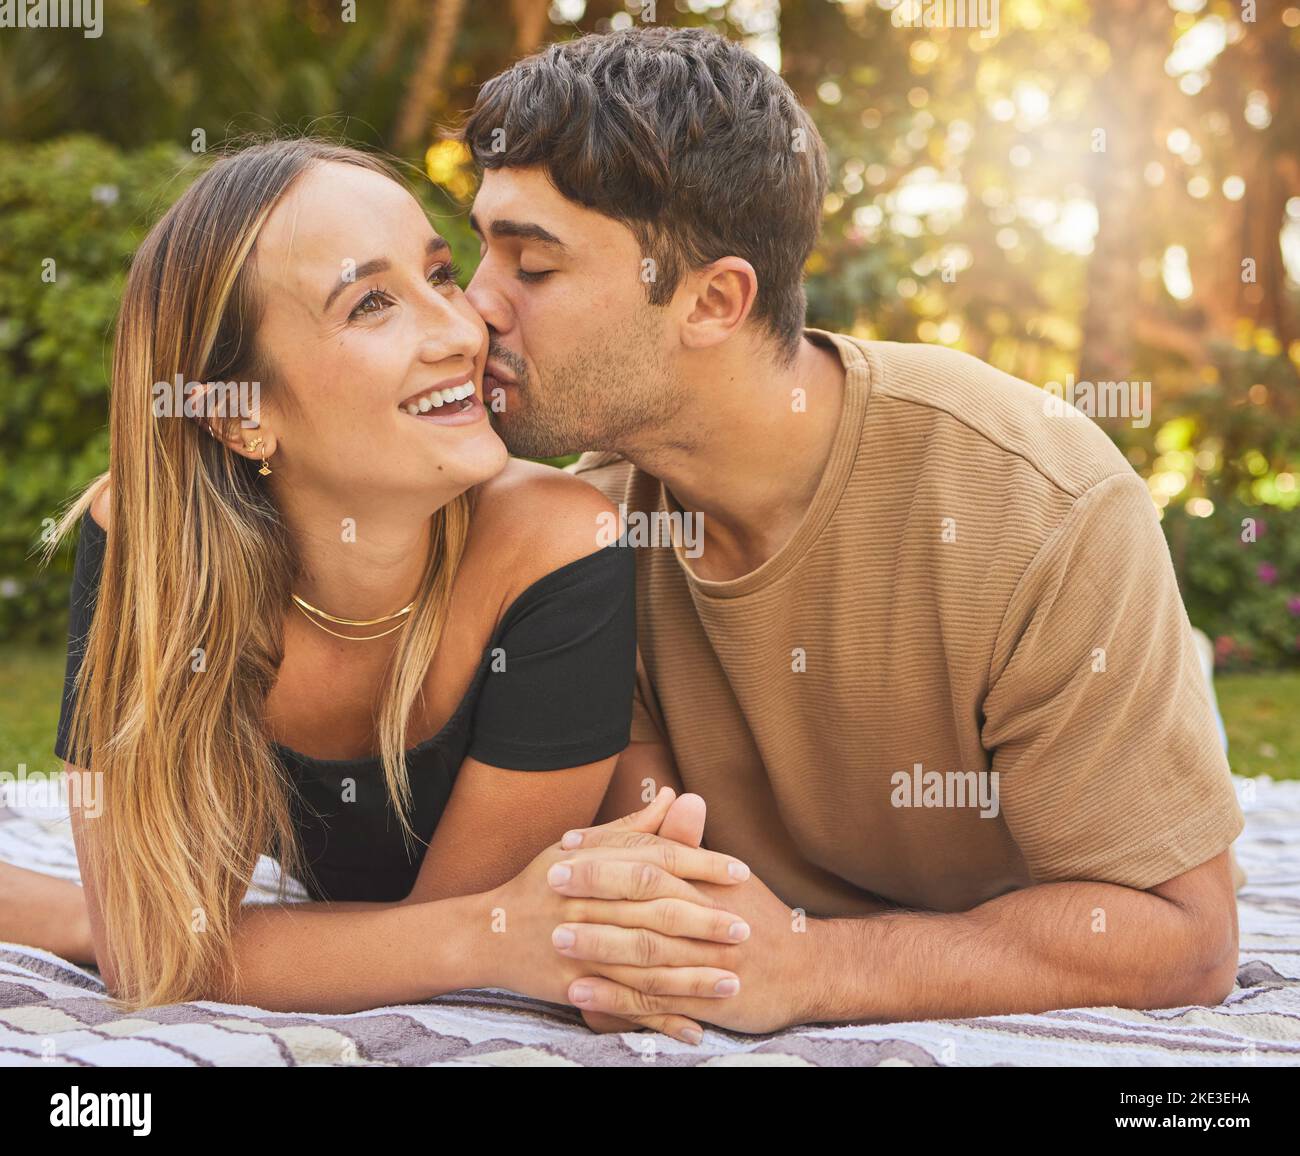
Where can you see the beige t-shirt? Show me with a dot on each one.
(968, 671)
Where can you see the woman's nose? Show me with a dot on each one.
(452, 332)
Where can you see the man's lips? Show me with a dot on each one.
(495, 371)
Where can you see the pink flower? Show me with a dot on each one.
(1266, 573)
(1293, 604)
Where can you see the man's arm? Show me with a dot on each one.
(1114, 789)
(1056, 945)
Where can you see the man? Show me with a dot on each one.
(928, 663)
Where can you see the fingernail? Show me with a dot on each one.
(738, 930)
(571, 840)
(737, 870)
(727, 986)
(580, 993)
(691, 1036)
(559, 874)
(563, 937)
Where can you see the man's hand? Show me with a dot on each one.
(648, 885)
(770, 961)
(683, 823)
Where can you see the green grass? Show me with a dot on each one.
(1262, 713)
(31, 687)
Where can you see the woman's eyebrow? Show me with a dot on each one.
(365, 269)
(435, 244)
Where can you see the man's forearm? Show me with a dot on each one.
(1056, 945)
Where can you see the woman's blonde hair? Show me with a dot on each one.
(199, 560)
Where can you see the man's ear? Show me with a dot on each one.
(720, 297)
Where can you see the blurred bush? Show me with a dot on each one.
(1220, 463)
(1234, 584)
(74, 211)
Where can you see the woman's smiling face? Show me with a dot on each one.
(376, 355)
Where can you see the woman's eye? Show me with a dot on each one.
(377, 300)
(538, 275)
(373, 302)
(444, 274)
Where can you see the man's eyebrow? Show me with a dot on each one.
(378, 265)
(521, 230)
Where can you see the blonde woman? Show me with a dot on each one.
(348, 634)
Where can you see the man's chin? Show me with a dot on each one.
(524, 440)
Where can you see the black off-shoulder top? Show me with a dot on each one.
(553, 689)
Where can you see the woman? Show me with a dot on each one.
(336, 633)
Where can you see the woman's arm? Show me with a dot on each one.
(496, 822)
(295, 959)
(641, 767)
(298, 957)
(44, 911)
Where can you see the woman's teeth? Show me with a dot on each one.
(438, 398)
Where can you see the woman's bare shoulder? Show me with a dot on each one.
(101, 505)
(539, 518)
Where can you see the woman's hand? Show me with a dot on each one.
(644, 885)
(774, 958)
(684, 823)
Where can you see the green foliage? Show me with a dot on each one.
(74, 212)
(1244, 593)
(31, 686)
(1221, 460)
(163, 70)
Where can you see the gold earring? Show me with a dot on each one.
(250, 446)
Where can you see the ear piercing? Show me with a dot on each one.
(252, 447)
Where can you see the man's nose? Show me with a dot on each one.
(487, 302)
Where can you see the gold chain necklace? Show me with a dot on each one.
(308, 610)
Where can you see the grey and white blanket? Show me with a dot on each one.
(52, 1011)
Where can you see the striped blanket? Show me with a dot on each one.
(55, 1012)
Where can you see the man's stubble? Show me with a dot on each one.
(603, 396)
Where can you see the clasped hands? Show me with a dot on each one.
(646, 929)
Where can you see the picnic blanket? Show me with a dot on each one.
(55, 1012)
